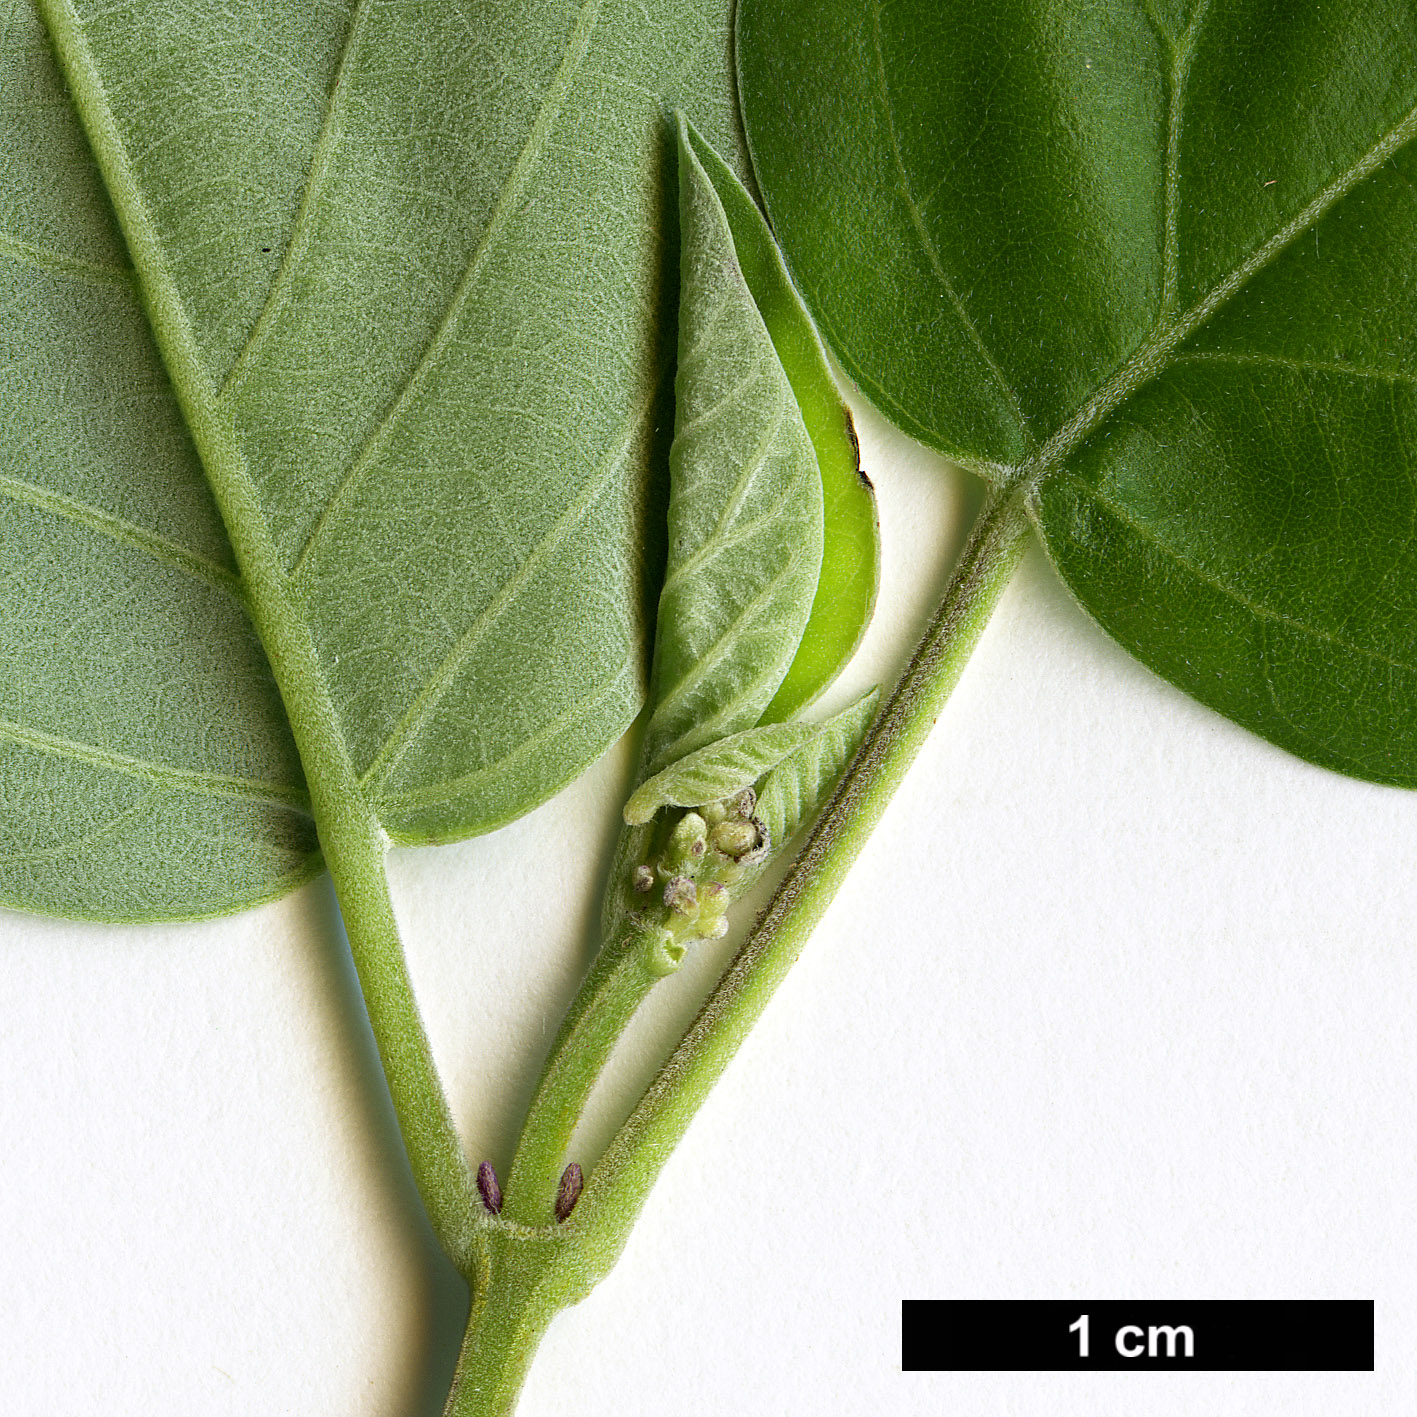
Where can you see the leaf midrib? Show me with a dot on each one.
(1154, 356)
(156, 773)
(272, 593)
(284, 632)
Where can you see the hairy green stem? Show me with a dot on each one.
(612, 993)
(619, 981)
(514, 1297)
(520, 1273)
(354, 852)
(530, 1265)
(350, 836)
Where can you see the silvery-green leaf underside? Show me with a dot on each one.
(413, 264)
(718, 770)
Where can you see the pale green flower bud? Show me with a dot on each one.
(687, 844)
(681, 896)
(735, 838)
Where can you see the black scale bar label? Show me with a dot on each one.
(1055, 1335)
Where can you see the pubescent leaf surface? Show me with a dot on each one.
(788, 797)
(851, 552)
(146, 767)
(408, 266)
(410, 271)
(1153, 265)
(718, 770)
(745, 500)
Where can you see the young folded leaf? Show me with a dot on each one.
(717, 851)
(798, 761)
(745, 500)
(743, 610)
(719, 770)
(788, 797)
(846, 590)
(1164, 299)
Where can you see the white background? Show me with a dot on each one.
(1117, 1004)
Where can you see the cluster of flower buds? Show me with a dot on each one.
(689, 887)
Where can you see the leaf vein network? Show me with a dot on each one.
(406, 731)
(927, 245)
(548, 114)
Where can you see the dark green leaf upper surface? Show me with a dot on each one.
(1153, 264)
(146, 769)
